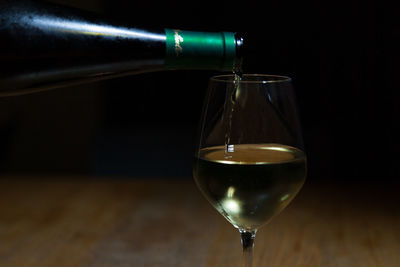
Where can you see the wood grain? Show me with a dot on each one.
(76, 221)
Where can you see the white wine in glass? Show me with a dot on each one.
(250, 161)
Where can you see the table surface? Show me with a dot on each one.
(76, 221)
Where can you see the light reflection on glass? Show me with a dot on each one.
(284, 197)
(231, 206)
(230, 192)
(80, 27)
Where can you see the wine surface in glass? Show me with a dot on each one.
(250, 183)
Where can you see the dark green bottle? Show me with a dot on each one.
(45, 46)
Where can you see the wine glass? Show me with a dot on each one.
(250, 161)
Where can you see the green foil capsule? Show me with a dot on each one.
(200, 50)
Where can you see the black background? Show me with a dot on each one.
(342, 58)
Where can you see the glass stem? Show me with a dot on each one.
(247, 238)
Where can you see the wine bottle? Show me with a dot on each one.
(45, 46)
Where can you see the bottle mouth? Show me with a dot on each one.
(252, 78)
(239, 45)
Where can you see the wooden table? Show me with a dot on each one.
(76, 221)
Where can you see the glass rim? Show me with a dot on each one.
(268, 78)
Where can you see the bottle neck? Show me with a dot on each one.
(200, 50)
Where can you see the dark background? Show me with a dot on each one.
(342, 58)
